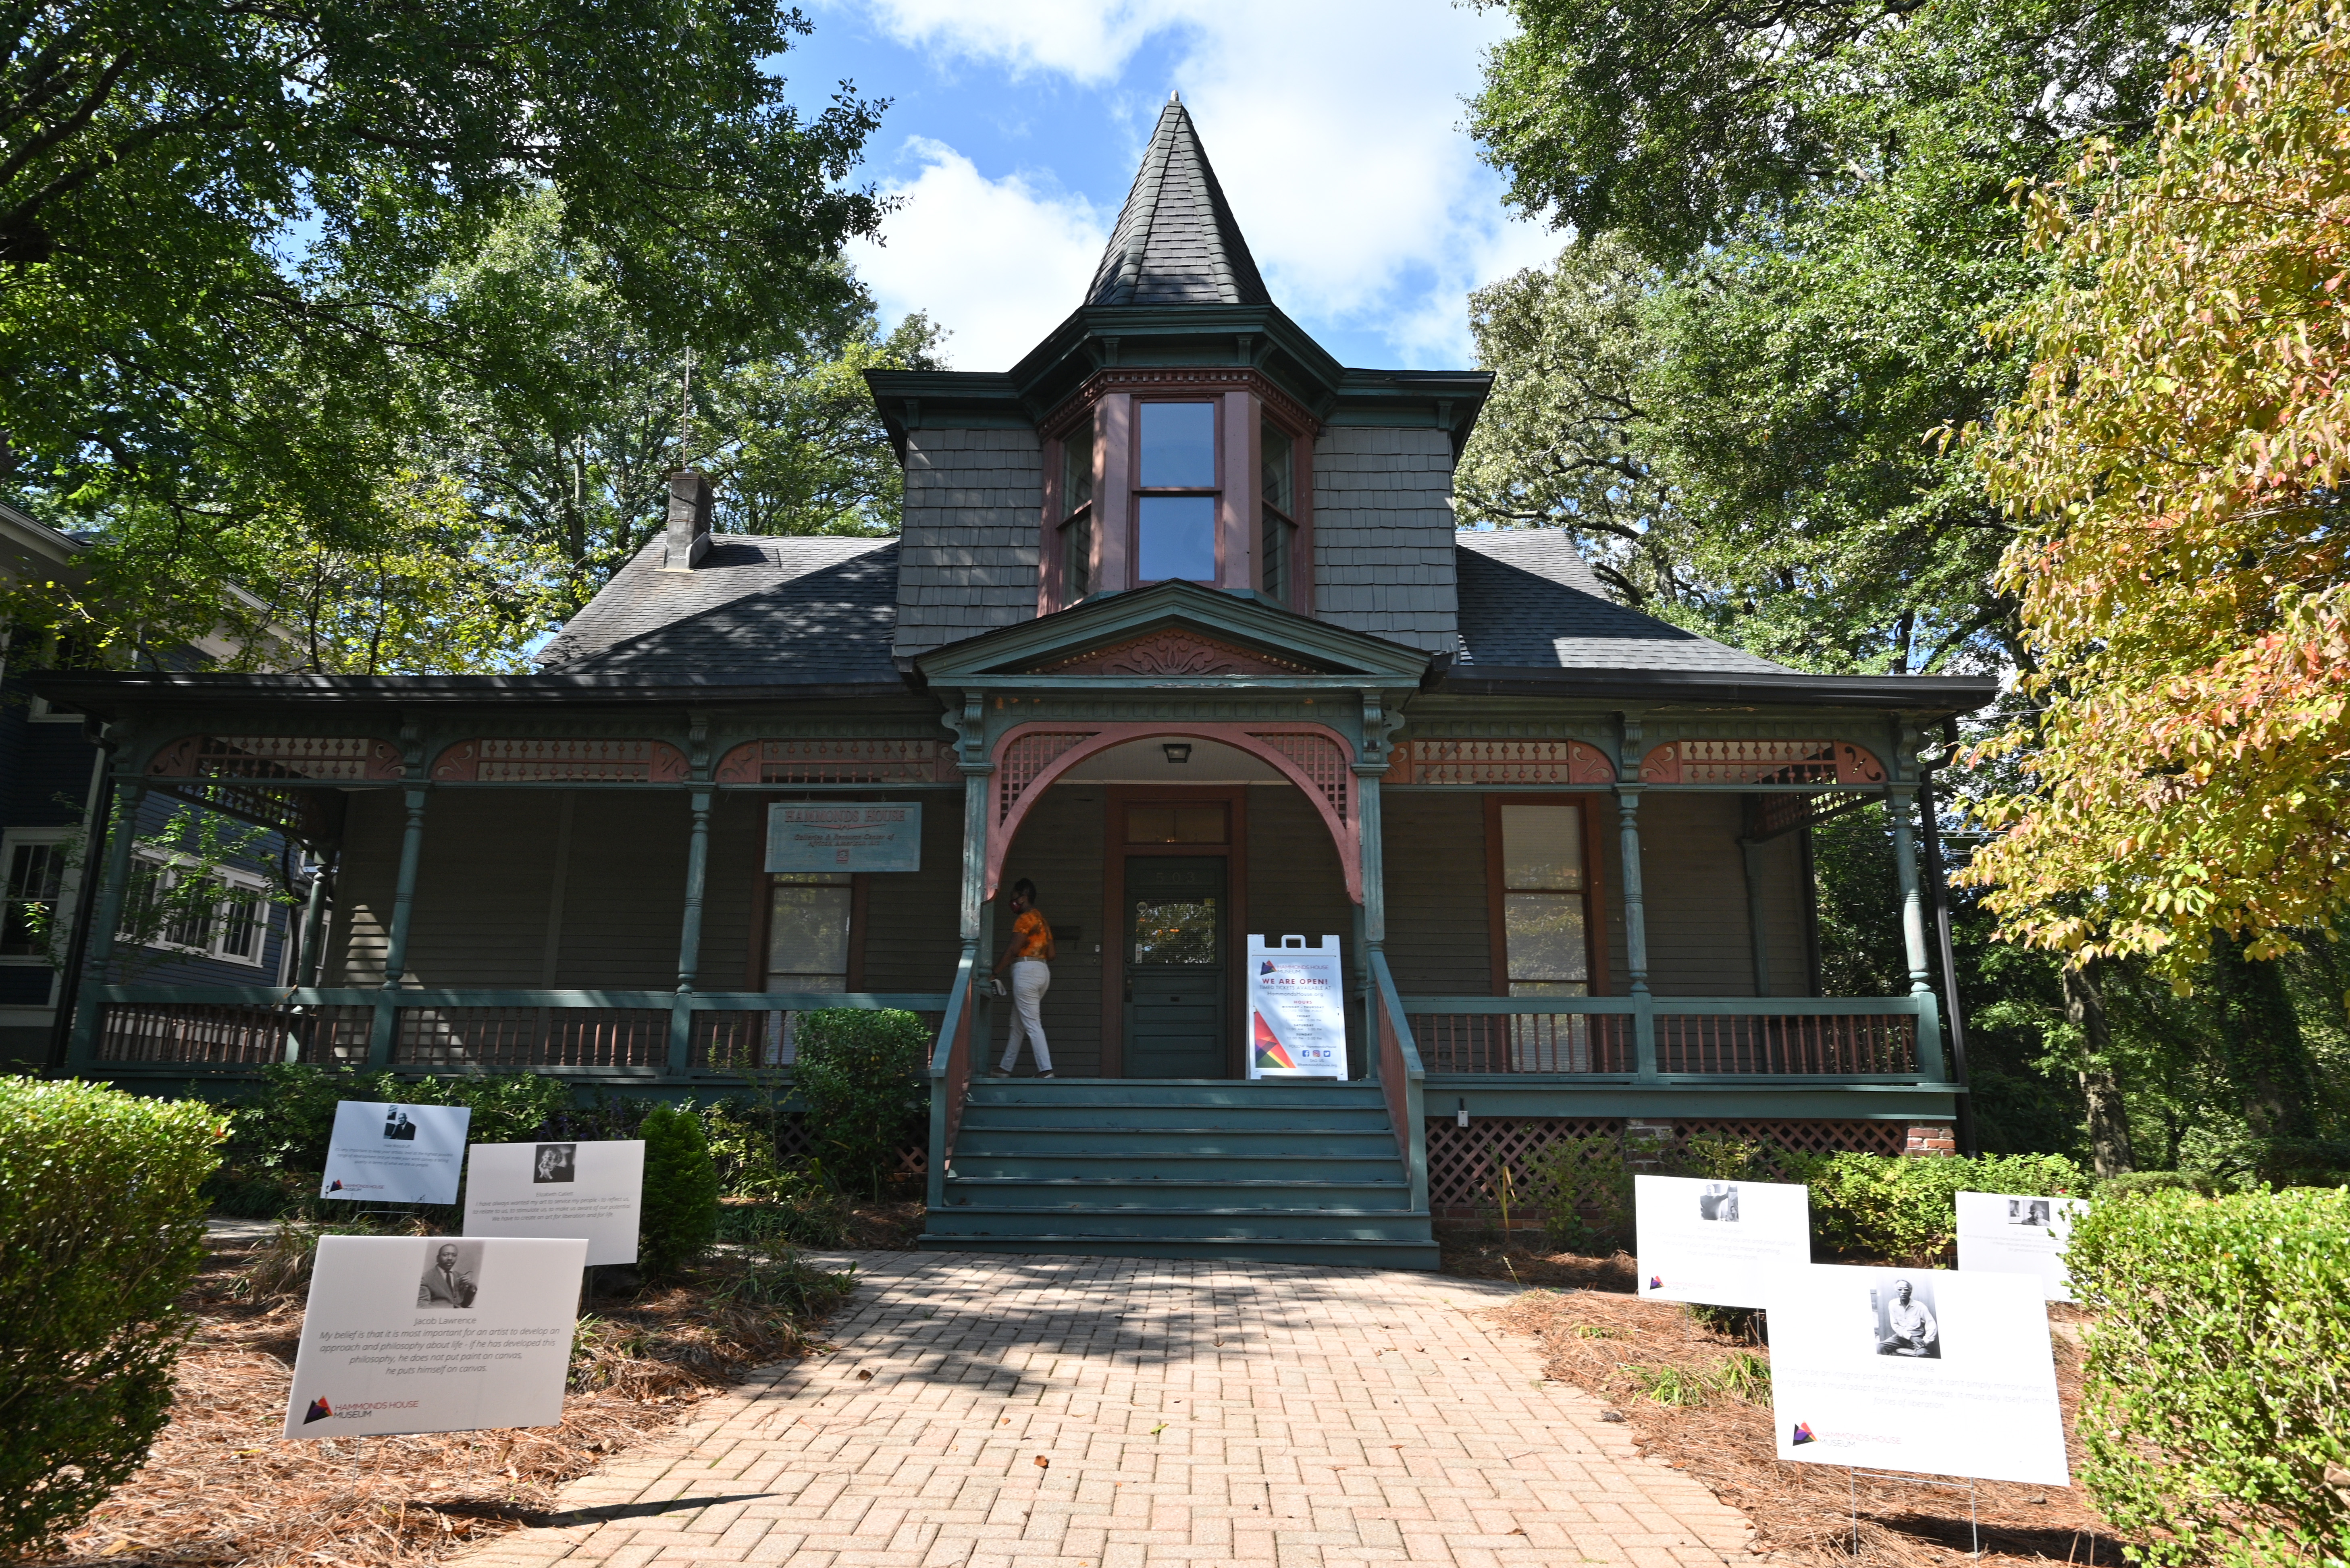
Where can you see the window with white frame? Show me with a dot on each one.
(34, 866)
(160, 910)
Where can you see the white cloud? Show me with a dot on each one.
(1335, 126)
(998, 262)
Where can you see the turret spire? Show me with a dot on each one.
(1175, 242)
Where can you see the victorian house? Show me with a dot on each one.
(1179, 628)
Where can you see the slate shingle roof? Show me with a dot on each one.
(1529, 601)
(1176, 242)
(816, 611)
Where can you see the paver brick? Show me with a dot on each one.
(1349, 1416)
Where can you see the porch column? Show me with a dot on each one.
(395, 949)
(1372, 914)
(1899, 804)
(1636, 930)
(127, 794)
(689, 939)
(1750, 849)
(306, 958)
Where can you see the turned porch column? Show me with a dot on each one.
(688, 938)
(308, 954)
(127, 794)
(1636, 930)
(395, 949)
(1899, 804)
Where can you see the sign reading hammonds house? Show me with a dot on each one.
(845, 835)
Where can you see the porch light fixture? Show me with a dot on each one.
(1178, 751)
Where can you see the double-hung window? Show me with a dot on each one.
(1278, 462)
(1547, 932)
(1175, 501)
(165, 906)
(1077, 512)
(36, 875)
(808, 920)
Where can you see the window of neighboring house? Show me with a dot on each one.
(1545, 891)
(36, 873)
(234, 925)
(1175, 496)
(1279, 467)
(1077, 512)
(808, 920)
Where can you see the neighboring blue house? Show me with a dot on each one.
(51, 780)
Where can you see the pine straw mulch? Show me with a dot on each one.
(1619, 1347)
(220, 1486)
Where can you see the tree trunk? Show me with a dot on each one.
(2261, 1047)
(2085, 1008)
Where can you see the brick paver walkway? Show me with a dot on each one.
(1038, 1412)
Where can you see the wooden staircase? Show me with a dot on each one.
(1180, 1168)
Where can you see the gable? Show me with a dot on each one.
(1173, 651)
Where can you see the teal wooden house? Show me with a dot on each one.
(1179, 628)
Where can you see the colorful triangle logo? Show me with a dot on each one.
(1270, 1052)
(319, 1410)
(1804, 1433)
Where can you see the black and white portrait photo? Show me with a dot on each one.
(396, 1125)
(2028, 1211)
(452, 1276)
(1906, 1321)
(1718, 1201)
(556, 1162)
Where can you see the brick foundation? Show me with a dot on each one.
(1931, 1138)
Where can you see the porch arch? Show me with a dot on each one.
(1020, 784)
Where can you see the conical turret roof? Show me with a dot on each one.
(1176, 242)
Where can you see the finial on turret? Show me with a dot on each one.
(1173, 96)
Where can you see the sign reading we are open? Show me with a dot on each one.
(845, 835)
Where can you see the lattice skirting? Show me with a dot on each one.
(1463, 1163)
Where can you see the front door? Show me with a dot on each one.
(1175, 945)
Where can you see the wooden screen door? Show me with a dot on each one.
(1176, 953)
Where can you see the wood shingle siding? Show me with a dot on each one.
(967, 555)
(1383, 534)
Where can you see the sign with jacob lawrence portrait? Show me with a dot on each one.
(845, 835)
(587, 1190)
(395, 1154)
(1916, 1369)
(434, 1334)
(1298, 1009)
(1718, 1241)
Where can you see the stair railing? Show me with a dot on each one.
(951, 1076)
(1401, 1078)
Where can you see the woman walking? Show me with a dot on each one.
(1029, 957)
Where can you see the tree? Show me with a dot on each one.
(563, 449)
(2179, 454)
(1822, 188)
(215, 219)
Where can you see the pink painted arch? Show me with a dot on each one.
(1005, 818)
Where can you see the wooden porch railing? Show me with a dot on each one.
(619, 1032)
(1401, 1077)
(951, 1074)
(1666, 1038)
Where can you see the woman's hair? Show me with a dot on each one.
(1025, 889)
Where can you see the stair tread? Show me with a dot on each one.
(1245, 1183)
(1127, 1211)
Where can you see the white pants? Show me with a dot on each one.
(1030, 978)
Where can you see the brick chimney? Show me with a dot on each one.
(688, 520)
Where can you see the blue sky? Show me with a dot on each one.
(1335, 128)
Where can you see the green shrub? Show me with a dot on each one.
(2216, 1375)
(679, 1219)
(859, 1074)
(286, 1124)
(1904, 1209)
(2135, 1182)
(101, 1228)
(1584, 1188)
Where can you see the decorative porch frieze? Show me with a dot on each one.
(524, 760)
(828, 760)
(1172, 652)
(324, 758)
(1501, 762)
(1783, 762)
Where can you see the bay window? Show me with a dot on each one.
(1176, 493)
